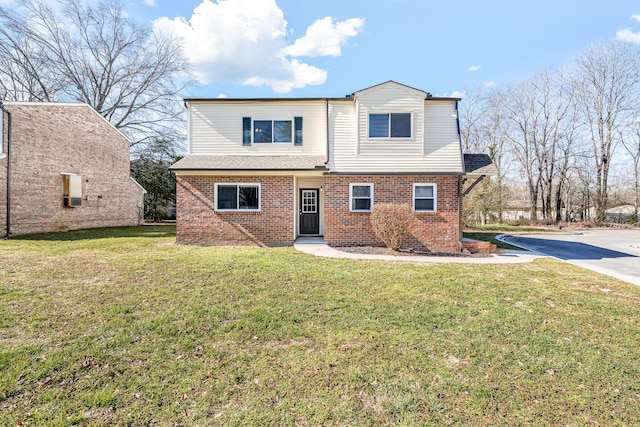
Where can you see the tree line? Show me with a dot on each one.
(558, 134)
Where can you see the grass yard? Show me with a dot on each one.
(114, 327)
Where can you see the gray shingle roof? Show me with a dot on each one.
(207, 162)
(479, 164)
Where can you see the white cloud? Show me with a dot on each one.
(488, 84)
(151, 3)
(325, 37)
(474, 67)
(628, 36)
(244, 42)
(457, 94)
(222, 95)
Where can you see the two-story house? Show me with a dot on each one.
(266, 171)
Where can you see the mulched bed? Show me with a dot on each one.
(374, 250)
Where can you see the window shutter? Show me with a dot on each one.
(297, 126)
(246, 131)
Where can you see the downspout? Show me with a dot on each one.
(326, 101)
(460, 180)
(460, 230)
(8, 165)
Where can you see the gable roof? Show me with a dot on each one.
(479, 164)
(291, 162)
(391, 82)
(61, 105)
(426, 95)
(349, 97)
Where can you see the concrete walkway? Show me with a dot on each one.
(316, 246)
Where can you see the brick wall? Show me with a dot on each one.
(199, 223)
(3, 177)
(434, 231)
(49, 139)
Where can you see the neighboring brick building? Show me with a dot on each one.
(69, 170)
(266, 171)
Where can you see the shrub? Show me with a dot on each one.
(390, 223)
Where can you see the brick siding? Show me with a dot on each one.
(49, 139)
(433, 231)
(199, 223)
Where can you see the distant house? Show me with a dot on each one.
(269, 170)
(63, 167)
(622, 213)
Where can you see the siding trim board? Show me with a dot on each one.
(425, 173)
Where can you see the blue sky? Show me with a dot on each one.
(317, 48)
(441, 47)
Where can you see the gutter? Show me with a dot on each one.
(8, 225)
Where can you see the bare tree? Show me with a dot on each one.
(607, 79)
(523, 115)
(483, 130)
(632, 144)
(94, 53)
(555, 137)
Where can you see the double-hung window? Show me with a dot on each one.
(360, 197)
(237, 197)
(390, 125)
(425, 197)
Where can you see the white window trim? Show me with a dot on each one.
(239, 184)
(253, 131)
(435, 196)
(359, 184)
(392, 138)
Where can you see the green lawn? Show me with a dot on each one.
(114, 327)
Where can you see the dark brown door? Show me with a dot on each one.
(309, 211)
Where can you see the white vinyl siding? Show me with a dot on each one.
(215, 127)
(388, 99)
(434, 145)
(442, 142)
(342, 133)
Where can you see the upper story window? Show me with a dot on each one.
(237, 197)
(360, 197)
(391, 125)
(271, 131)
(425, 197)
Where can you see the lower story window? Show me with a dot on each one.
(238, 197)
(425, 197)
(361, 197)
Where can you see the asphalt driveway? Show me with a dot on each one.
(612, 252)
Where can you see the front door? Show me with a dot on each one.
(309, 211)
